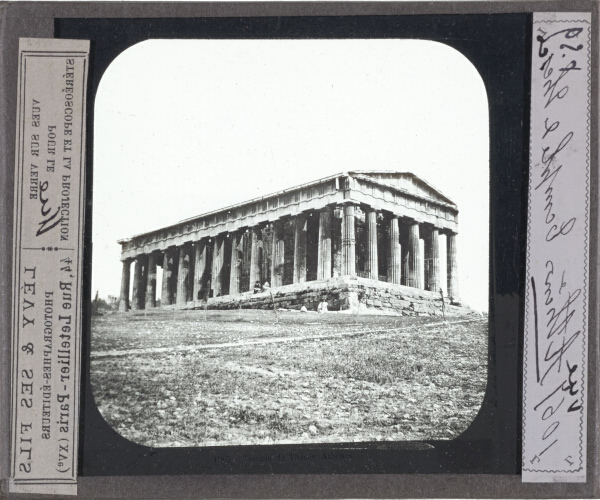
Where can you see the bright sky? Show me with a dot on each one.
(183, 127)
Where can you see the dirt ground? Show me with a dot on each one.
(195, 378)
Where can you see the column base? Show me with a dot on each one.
(455, 301)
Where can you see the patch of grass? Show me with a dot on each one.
(416, 382)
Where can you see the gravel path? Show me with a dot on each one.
(272, 340)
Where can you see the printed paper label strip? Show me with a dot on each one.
(47, 265)
(556, 307)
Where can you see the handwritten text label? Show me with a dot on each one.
(555, 349)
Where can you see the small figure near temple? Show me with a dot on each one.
(257, 287)
(322, 307)
(266, 287)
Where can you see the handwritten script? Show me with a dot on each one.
(555, 317)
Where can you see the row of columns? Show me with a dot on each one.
(403, 267)
(404, 264)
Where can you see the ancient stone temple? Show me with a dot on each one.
(351, 239)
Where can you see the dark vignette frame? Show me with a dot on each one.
(499, 46)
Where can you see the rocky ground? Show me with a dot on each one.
(196, 378)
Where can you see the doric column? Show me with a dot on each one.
(432, 260)
(348, 242)
(395, 258)
(200, 251)
(324, 250)
(300, 249)
(336, 241)
(137, 301)
(151, 281)
(125, 277)
(183, 275)
(234, 275)
(166, 298)
(254, 263)
(414, 263)
(452, 266)
(277, 255)
(217, 268)
(404, 230)
(144, 281)
(191, 252)
(372, 263)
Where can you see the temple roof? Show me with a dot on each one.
(330, 190)
(406, 182)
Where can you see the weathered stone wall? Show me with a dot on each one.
(342, 294)
(372, 296)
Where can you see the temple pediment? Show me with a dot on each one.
(406, 182)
